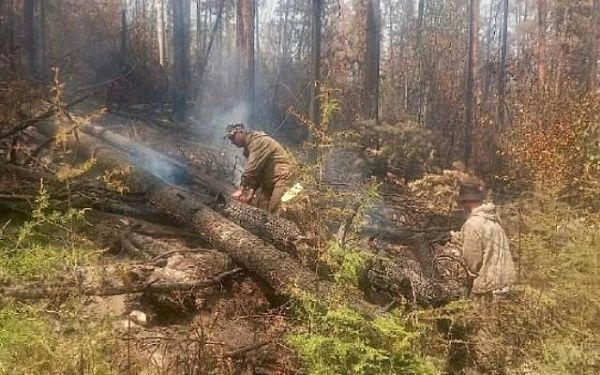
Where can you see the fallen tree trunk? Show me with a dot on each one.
(149, 248)
(283, 233)
(39, 290)
(47, 114)
(275, 229)
(405, 236)
(277, 269)
(419, 275)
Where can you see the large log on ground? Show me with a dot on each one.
(419, 275)
(279, 231)
(283, 233)
(121, 279)
(279, 270)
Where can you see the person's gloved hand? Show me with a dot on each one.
(243, 196)
(237, 194)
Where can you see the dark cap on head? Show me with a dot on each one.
(231, 129)
(471, 189)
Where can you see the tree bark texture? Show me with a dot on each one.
(278, 269)
(372, 56)
(541, 42)
(315, 108)
(418, 275)
(245, 49)
(501, 110)
(472, 34)
(592, 81)
(181, 46)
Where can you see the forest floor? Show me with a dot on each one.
(549, 326)
(230, 328)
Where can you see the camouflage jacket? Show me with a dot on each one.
(268, 162)
(486, 252)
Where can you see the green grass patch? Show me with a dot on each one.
(34, 340)
(42, 261)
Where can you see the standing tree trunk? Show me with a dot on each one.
(162, 34)
(245, 50)
(200, 39)
(502, 77)
(592, 84)
(314, 110)
(42, 35)
(372, 58)
(257, 34)
(488, 69)
(419, 52)
(10, 45)
(470, 80)
(31, 42)
(541, 43)
(206, 53)
(181, 44)
(123, 52)
(391, 41)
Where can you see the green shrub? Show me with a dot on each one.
(333, 338)
(31, 343)
(45, 245)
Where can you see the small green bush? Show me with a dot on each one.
(45, 245)
(333, 338)
(31, 343)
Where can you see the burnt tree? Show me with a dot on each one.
(472, 37)
(245, 49)
(372, 52)
(314, 110)
(181, 47)
(501, 112)
(541, 42)
(32, 38)
(592, 81)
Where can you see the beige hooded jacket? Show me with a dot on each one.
(486, 252)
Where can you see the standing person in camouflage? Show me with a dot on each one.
(268, 170)
(485, 245)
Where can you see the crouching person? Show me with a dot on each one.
(269, 168)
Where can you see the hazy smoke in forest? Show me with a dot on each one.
(163, 169)
(239, 113)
